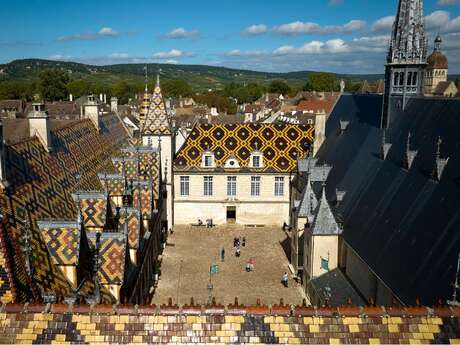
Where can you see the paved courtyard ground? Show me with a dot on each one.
(190, 252)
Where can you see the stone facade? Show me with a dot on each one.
(264, 209)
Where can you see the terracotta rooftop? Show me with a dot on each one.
(316, 105)
(197, 324)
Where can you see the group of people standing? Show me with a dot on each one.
(239, 242)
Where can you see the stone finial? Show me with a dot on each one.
(410, 154)
(344, 125)
(385, 146)
(440, 162)
(340, 195)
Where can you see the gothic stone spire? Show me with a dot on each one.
(406, 60)
(408, 42)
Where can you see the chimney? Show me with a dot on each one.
(114, 104)
(92, 110)
(71, 98)
(39, 125)
(3, 181)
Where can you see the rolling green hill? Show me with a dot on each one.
(199, 76)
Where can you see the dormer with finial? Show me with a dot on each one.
(440, 163)
(410, 154)
(386, 146)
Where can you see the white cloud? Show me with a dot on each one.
(383, 24)
(181, 33)
(59, 57)
(107, 32)
(301, 28)
(250, 53)
(435, 21)
(173, 53)
(334, 46)
(255, 30)
(89, 36)
(171, 62)
(448, 2)
(119, 56)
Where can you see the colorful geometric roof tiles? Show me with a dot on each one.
(40, 188)
(123, 324)
(62, 240)
(93, 208)
(111, 255)
(280, 144)
(156, 121)
(132, 216)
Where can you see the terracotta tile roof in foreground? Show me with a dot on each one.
(258, 324)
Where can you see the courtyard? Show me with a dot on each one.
(190, 252)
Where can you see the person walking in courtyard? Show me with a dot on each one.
(237, 252)
(222, 254)
(285, 279)
(244, 242)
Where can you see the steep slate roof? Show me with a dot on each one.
(280, 144)
(157, 121)
(41, 184)
(325, 222)
(308, 203)
(402, 223)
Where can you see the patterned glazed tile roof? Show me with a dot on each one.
(144, 188)
(156, 121)
(7, 286)
(112, 256)
(113, 183)
(62, 240)
(132, 216)
(280, 144)
(93, 208)
(40, 324)
(41, 184)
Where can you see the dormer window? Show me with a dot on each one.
(257, 160)
(208, 160)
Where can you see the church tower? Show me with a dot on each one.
(406, 60)
(437, 69)
(157, 132)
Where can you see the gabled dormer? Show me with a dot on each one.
(232, 162)
(208, 159)
(257, 159)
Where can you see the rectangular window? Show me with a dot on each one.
(207, 185)
(255, 185)
(231, 185)
(409, 78)
(279, 186)
(256, 161)
(184, 186)
(208, 161)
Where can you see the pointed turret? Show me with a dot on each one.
(156, 121)
(308, 203)
(406, 59)
(325, 222)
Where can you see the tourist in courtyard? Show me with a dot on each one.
(244, 242)
(285, 279)
(222, 254)
(237, 252)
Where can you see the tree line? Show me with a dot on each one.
(56, 85)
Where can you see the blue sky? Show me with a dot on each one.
(290, 35)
